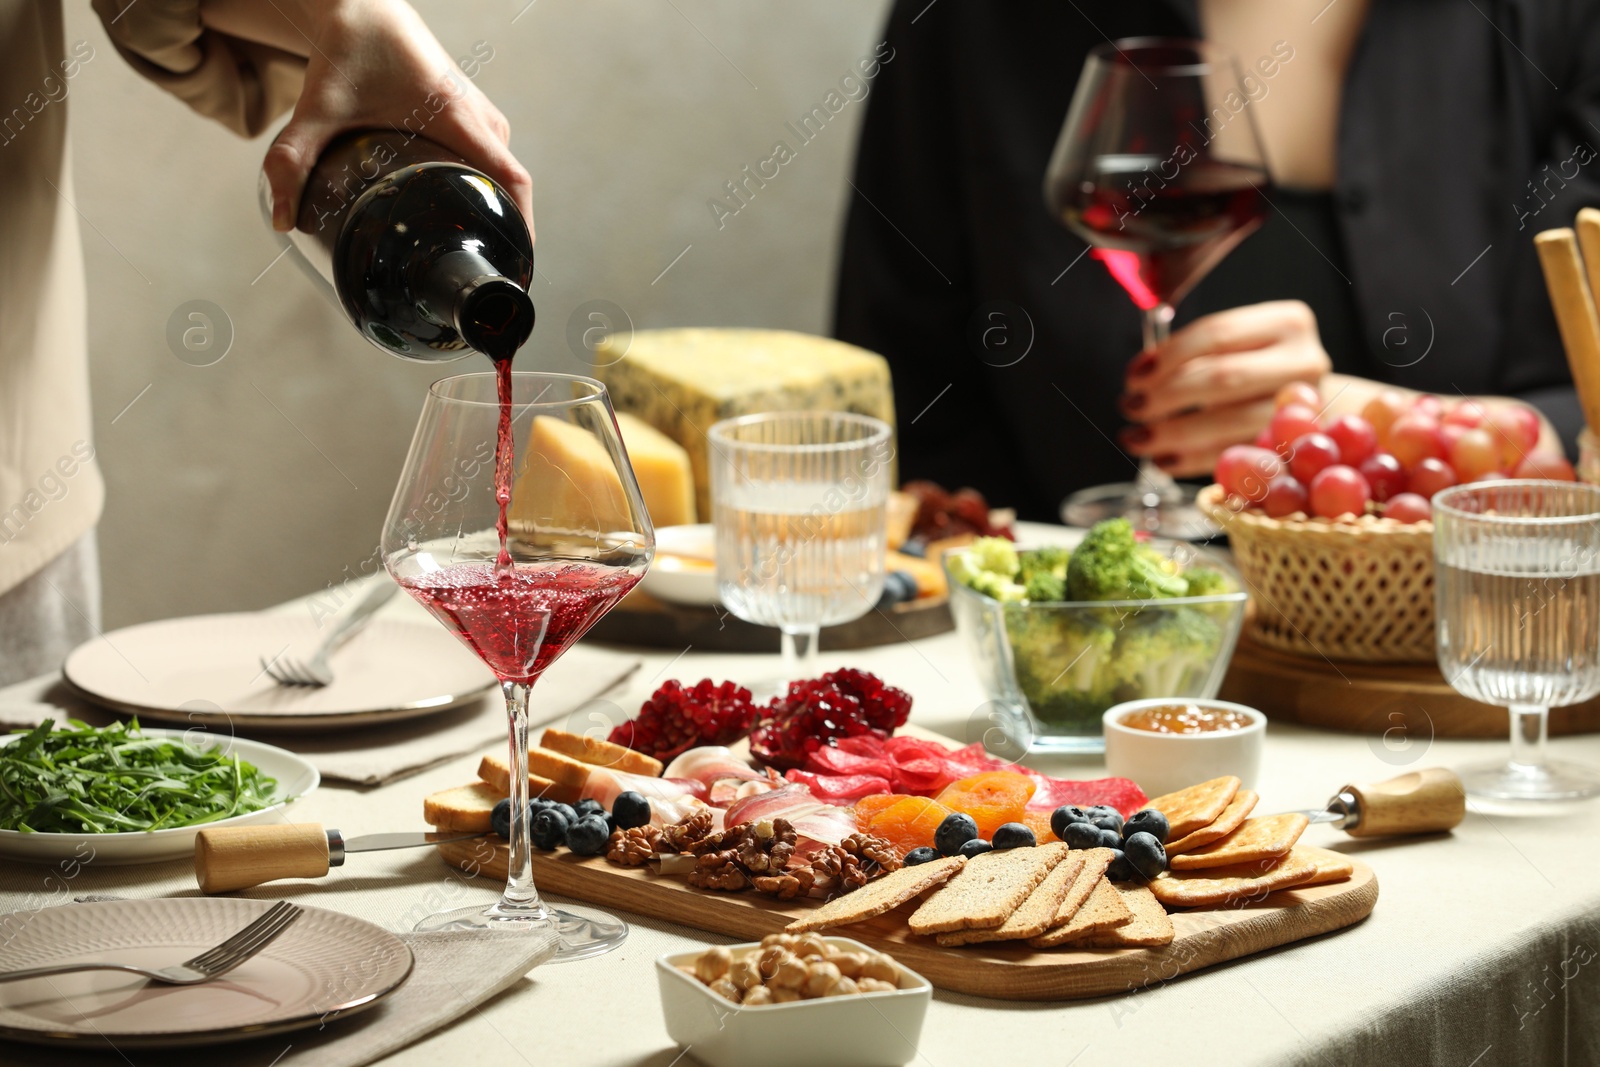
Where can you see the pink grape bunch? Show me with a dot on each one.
(1388, 460)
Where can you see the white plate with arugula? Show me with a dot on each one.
(121, 794)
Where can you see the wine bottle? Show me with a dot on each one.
(428, 257)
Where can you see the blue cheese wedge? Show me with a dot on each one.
(681, 381)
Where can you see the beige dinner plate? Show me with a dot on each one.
(206, 670)
(324, 963)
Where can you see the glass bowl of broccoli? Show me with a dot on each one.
(1059, 635)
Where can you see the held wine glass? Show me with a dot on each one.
(800, 508)
(518, 523)
(1517, 586)
(1159, 167)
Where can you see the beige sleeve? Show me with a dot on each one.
(241, 84)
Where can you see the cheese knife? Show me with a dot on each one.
(237, 857)
(1420, 802)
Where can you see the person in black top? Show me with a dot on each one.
(1416, 149)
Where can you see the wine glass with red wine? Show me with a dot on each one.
(1160, 168)
(518, 523)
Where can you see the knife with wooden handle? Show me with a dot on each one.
(1421, 802)
(238, 857)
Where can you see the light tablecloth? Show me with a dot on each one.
(1482, 948)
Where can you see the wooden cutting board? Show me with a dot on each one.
(1015, 972)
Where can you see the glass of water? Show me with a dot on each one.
(1517, 586)
(799, 502)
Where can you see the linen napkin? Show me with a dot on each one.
(454, 973)
(373, 755)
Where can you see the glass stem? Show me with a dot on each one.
(519, 891)
(800, 652)
(1530, 726)
(1157, 328)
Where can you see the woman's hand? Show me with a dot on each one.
(369, 63)
(1211, 384)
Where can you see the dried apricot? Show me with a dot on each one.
(1039, 823)
(909, 822)
(868, 806)
(991, 798)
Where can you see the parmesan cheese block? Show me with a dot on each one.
(662, 466)
(681, 381)
(567, 483)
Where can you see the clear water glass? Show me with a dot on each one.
(799, 503)
(1517, 587)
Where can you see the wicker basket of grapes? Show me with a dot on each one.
(1330, 521)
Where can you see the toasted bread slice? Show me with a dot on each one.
(879, 897)
(466, 807)
(989, 888)
(598, 753)
(1034, 916)
(1103, 910)
(493, 770)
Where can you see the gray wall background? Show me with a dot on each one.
(267, 475)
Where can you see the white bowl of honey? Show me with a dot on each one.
(1165, 743)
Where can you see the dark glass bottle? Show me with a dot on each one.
(428, 256)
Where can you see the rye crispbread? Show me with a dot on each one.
(1220, 885)
(987, 891)
(1102, 911)
(1266, 837)
(1095, 862)
(598, 753)
(1150, 926)
(1331, 866)
(466, 807)
(877, 898)
(1036, 913)
(1189, 809)
(1243, 802)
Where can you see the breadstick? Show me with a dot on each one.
(1574, 306)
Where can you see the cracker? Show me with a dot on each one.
(1266, 837)
(1243, 802)
(1207, 888)
(1189, 809)
(987, 891)
(1102, 911)
(1036, 913)
(877, 898)
(1331, 866)
(1095, 862)
(1150, 926)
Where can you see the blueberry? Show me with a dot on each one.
(1107, 819)
(631, 809)
(587, 836)
(1145, 855)
(920, 855)
(500, 818)
(611, 823)
(1120, 870)
(589, 806)
(1082, 835)
(538, 804)
(1065, 816)
(550, 829)
(976, 847)
(567, 811)
(1108, 839)
(1014, 835)
(1149, 821)
(956, 830)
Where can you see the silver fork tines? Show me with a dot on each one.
(212, 963)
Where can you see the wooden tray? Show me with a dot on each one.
(1017, 972)
(1375, 698)
(643, 620)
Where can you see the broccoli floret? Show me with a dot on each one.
(995, 555)
(1170, 651)
(964, 569)
(1052, 560)
(1110, 565)
(1045, 586)
(1066, 664)
(1206, 581)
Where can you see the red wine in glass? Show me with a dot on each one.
(1159, 167)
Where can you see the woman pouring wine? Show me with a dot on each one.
(1396, 252)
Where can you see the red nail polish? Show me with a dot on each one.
(1142, 366)
(1133, 401)
(1134, 436)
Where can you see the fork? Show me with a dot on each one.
(210, 964)
(316, 671)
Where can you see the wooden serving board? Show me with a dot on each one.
(1015, 972)
(643, 620)
(1376, 698)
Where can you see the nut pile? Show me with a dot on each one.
(789, 967)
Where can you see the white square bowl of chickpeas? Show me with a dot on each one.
(793, 1000)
